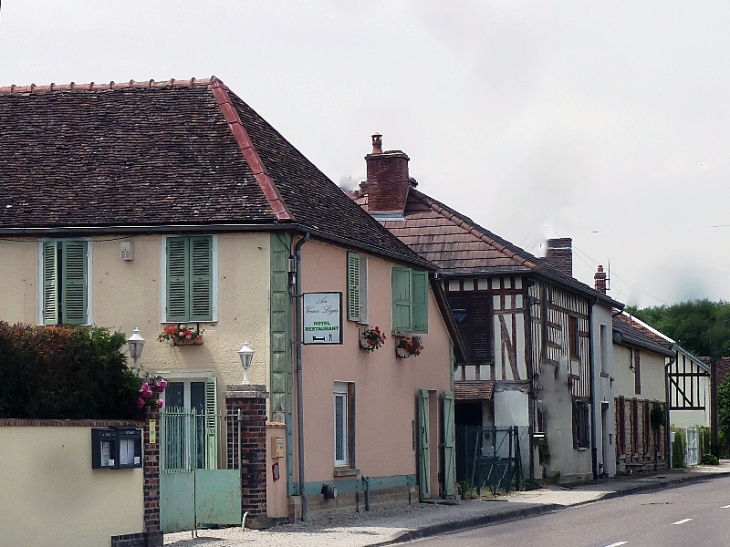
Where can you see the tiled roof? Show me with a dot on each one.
(461, 247)
(634, 334)
(472, 390)
(163, 154)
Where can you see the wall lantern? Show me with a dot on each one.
(246, 355)
(135, 343)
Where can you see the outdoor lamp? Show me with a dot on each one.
(246, 355)
(135, 343)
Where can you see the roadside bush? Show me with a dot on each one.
(65, 373)
(709, 459)
(678, 449)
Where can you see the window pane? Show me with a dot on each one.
(174, 393)
(340, 411)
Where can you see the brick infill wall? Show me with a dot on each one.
(251, 401)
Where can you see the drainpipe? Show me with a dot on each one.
(592, 370)
(667, 400)
(298, 296)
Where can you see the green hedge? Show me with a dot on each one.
(65, 373)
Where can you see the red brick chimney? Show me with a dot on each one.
(600, 280)
(387, 179)
(560, 254)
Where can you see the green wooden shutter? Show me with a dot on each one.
(401, 287)
(211, 425)
(177, 279)
(449, 445)
(201, 259)
(419, 292)
(50, 284)
(424, 450)
(74, 274)
(353, 287)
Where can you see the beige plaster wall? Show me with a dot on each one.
(19, 272)
(385, 386)
(652, 374)
(129, 294)
(51, 496)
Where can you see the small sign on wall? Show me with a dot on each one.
(323, 318)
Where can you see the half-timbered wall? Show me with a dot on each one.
(554, 344)
(689, 392)
(510, 351)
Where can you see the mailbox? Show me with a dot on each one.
(116, 448)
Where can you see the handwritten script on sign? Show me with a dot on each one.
(323, 318)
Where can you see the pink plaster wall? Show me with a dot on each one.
(385, 386)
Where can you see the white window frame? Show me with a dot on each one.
(213, 273)
(89, 274)
(340, 390)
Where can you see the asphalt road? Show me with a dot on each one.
(697, 515)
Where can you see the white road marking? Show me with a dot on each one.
(617, 544)
(682, 521)
(726, 507)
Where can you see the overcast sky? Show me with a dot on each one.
(607, 122)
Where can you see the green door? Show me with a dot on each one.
(424, 451)
(449, 445)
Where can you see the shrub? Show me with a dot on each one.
(709, 459)
(678, 449)
(65, 373)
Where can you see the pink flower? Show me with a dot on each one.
(160, 385)
(145, 391)
(160, 403)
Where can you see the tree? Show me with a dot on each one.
(701, 326)
(723, 407)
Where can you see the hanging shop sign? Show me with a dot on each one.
(323, 318)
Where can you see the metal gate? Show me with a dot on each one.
(692, 456)
(491, 457)
(199, 485)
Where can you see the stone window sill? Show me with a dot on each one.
(345, 472)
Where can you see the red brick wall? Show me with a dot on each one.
(387, 182)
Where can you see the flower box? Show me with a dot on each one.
(408, 345)
(371, 338)
(197, 342)
(402, 353)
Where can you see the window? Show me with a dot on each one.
(189, 423)
(604, 350)
(357, 287)
(581, 427)
(344, 424)
(410, 300)
(473, 320)
(189, 279)
(573, 337)
(637, 371)
(65, 272)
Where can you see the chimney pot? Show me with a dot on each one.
(377, 139)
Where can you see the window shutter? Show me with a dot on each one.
(50, 287)
(73, 293)
(211, 424)
(401, 287)
(420, 302)
(353, 287)
(481, 326)
(201, 259)
(637, 371)
(177, 279)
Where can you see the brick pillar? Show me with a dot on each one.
(151, 471)
(251, 401)
(560, 254)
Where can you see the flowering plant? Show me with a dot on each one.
(410, 345)
(371, 338)
(180, 333)
(149, 393)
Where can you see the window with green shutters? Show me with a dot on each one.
(410, 300)
(189, 279)
(65, 282)
(357, 285)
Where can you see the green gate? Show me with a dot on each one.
(197, 486)
(424, 450)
